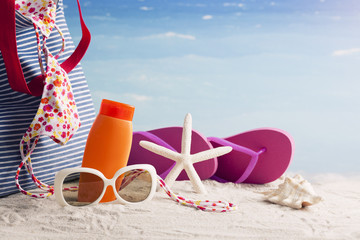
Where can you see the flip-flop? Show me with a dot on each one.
(170, 138)
(259, 156)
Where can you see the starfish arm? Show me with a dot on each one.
(195, 179)
(211, 153)
(174, 173)
(186, 135)
(160, 150)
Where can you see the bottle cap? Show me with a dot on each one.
(117, 110)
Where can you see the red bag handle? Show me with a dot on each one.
(9, 52)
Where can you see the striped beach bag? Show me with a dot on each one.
(21, 93)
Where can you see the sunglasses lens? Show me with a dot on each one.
(134, 185)
(81, 189)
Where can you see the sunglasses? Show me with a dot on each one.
(130, 185)
(86, 186)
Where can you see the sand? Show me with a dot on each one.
(337, 217)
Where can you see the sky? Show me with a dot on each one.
(235, 66)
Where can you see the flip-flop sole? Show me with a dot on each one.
(271, 164)
(171, 136)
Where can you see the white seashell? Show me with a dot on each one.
(294, 192)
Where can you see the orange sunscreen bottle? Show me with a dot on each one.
(107, 148)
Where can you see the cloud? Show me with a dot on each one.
(208, 84)
(88, 3)
(137, 97)
(105, 94)
(346, 52)
(103, 36)
(191, 5)
(128, 97)
(106, 17)
(171, 35)
(144, 8)
(207, 17)
(227, 4)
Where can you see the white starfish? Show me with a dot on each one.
(185, 160)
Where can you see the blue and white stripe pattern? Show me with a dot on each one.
(17, 111)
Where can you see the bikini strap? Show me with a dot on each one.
(8, 47)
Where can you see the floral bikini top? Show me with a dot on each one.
(57, 116)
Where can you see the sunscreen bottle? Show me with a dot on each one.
(108, 145)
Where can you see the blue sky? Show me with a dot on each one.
(235, 66)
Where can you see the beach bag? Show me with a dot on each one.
(21, 87)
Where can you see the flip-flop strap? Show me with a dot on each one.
(254, 155)
(155, 139)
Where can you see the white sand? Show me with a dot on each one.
(337, 217)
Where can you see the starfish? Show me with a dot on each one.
(185, 160)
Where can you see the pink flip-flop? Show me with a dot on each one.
(259, 156)
(170, 138)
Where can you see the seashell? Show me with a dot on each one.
(294, 192)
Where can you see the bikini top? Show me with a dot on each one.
(57, 116)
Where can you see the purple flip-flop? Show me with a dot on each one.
(259, 156)
(170, 138)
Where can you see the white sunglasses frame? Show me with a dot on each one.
(61, 175)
